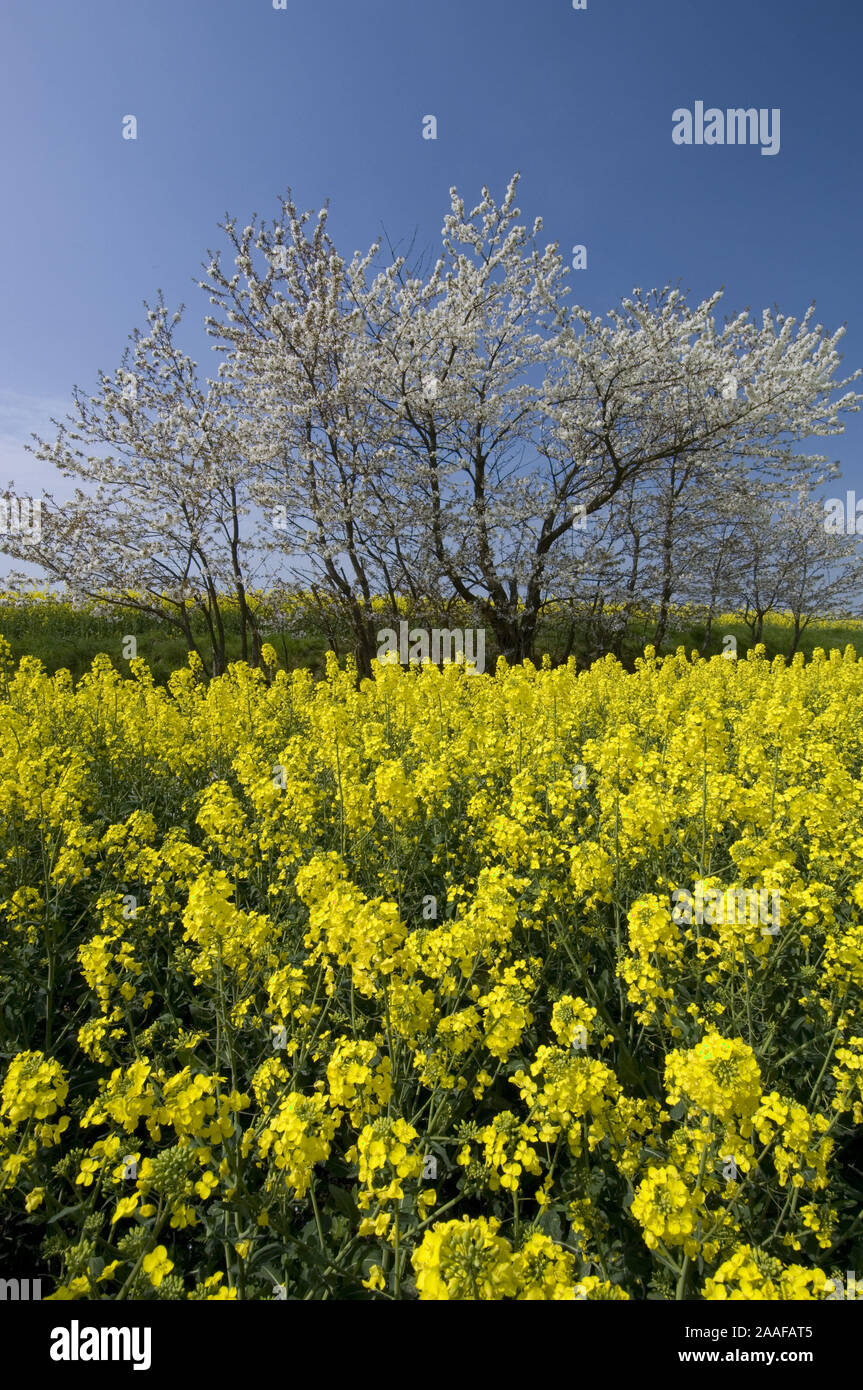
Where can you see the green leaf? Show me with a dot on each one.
(345, 1203)
(66, 1211)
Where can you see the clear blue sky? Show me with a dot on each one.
(235, 101)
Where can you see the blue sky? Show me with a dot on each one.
(235, 101)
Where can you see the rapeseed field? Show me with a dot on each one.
(536, 984)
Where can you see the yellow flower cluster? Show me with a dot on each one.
(299, 1136)
(34, 1088)
(467, 1259)
(752, 1275)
